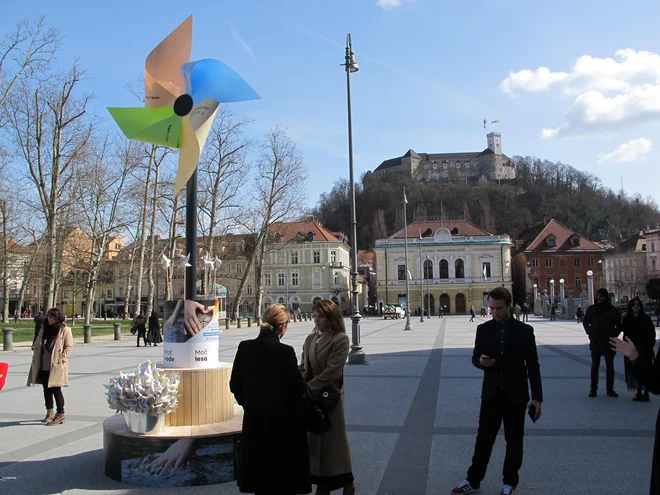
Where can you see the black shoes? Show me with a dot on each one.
(593, 393)
(612, 393)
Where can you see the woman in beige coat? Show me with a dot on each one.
(50, 363)
(324, 356)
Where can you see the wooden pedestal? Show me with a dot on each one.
(204, 396)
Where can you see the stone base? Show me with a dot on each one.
(208, 453)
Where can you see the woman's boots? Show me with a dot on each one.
(57, 420)
(50, 414)
(348, 490)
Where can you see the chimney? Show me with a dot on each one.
(516, 232)
(546, 218)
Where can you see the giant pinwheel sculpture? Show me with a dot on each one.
(181, 99)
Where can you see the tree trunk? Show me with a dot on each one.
(152, 237)
(5, 264)
(143, 236)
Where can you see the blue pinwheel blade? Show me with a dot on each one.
(210, 78)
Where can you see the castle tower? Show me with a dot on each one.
(495, 142)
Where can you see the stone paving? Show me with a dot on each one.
(411, 415)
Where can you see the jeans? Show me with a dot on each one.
(50, 392)
(595, 368)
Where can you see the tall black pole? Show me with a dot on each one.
(191, 236)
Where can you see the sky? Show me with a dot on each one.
(576, 82)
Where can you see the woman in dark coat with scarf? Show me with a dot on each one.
(153, 335)
(649, 375)
(638, 327)
(265, 380)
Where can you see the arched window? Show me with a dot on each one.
(444, 269)
(460, 268)
(428, 269)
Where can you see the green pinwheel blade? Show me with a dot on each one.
(150, 125)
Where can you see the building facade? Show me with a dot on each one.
(490, 163)
(453, 264)
(653, 252)
(625, 268)
(549, 251)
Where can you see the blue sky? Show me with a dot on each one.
(430, 72)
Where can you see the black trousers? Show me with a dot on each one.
(493, 413)
(143, 334)
(595, 368)
(50, 392)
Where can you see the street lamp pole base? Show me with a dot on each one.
(357, 355)
(407, 328)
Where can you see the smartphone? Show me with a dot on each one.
(531, 410)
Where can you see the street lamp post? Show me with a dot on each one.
(356, 355)
(428, 290)
(590, 286)
(561, 291)
(405, 251)
(552, 292)
(421, 280)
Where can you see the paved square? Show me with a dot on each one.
(411, 414)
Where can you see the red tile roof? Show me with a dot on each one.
(464, 228)
(563, 235)
(289, 230)
(366, 256)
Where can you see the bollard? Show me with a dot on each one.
(227, 323)
(239, 322)
(117, 331)
(249, 322)
(87, 334)
(7, 339)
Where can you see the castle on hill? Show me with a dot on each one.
(490, 163)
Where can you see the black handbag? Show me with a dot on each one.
(329, 398)
(317, 420)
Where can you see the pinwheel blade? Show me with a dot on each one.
(150, 125)
(163, 81)
(212, 79)
(195, 129)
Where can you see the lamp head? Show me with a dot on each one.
(351, 64)
(552, 281)
(590, 273)
(561, 281)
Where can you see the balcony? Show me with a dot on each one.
(336, 264)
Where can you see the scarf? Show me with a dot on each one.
(50, 336)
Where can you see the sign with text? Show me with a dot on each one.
(191, 334)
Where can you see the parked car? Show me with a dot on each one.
(393, 311)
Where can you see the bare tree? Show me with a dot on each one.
(51, 133)
(279, 195)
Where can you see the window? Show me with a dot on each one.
(109, 293)
(428, 269)
(66, 294)
(459, 266)
(485, 270)
(337, 279)
(295, 278)
(333, 256)
(576, 241)
(653, 247)
(576, 261)
(121, 292)
(444, 165)
(116, 245)
(35, 290)
(444, 269)
(317, 256)
(467, 164)
(590, 261)
(249, 289)
(267, 280)
(653, 265)
(401, 272)
(316, 279)
(281, 279)
(548, 262)
(536, 281)
(578, 282)
(435, 166)
(551, 242)
(535, 263)
(27, 290)
(294, 258)
(239, 268)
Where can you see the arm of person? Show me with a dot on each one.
(478, 351)
(533, 367)
(587, 321)
(236, 382)
(335, 365)
(68, 343)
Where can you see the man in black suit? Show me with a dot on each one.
(505, 349)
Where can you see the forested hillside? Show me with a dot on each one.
(573, 197)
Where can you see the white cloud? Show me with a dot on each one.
(242, 42)
(631, 151)
(390, 4)
(609, 92)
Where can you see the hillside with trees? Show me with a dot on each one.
(573, 197)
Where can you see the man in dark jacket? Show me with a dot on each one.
(505, 349)
(602, 321)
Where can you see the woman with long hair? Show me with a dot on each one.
(50, 363)
(265, 380)
(638, 327)
(324, 356)
(153, 335)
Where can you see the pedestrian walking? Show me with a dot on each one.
(140, 324)
(153, 335)
(505, 349)
(472, 313)
(638, 327)
(324, 355)
(579, 313)
(50, 364)
(517, 311)
(525, 312)
(602, 321)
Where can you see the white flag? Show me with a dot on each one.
(485, 275)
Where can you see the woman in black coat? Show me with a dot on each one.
(265, 380)
(153, 335)
(649, 375)
(638, 327)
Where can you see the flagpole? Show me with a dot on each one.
(405, 244)
(421, 279)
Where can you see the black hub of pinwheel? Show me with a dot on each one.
(183, 105)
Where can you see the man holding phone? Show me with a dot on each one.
(505, 349)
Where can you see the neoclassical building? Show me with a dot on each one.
(452, 263)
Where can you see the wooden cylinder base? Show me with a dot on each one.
(204, 396)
